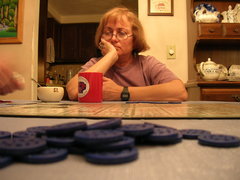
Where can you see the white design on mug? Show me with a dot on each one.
(83, 86)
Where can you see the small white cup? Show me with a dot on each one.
(50, 94)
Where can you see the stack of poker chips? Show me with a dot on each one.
(104, 142)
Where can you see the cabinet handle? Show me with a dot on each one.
(211, 30)
(236, 30)
(236, 97)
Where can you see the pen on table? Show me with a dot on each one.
(153, 102)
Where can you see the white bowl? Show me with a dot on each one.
(50, 94)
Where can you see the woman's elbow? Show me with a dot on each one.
(183, 96)
(182, 93)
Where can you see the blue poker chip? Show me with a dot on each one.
(193, 133)
(60, 141)
(159, 126)
(49, 155)
(21, 146)
(219, 140)
(98, 136)
(76, 149)
(113, 157)
(107, 124)
(66, 128)
(38, 130)
(24, 134)
(164, 135)
(5, 161)
(137, 129)
(125, 143)
(5, 134)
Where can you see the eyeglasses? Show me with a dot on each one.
(119, 35)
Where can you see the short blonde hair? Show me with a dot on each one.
(139, 41)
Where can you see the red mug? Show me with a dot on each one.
(90, 87)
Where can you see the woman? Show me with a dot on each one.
(127, 75)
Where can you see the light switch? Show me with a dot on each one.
(171, 52)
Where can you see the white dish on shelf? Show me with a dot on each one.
(223, 72)
(206, 13)
(233, 78)
(234, 70)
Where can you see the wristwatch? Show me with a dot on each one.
(125, 96)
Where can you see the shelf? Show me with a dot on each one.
(227, 31)
(231, 84)
(218, 41)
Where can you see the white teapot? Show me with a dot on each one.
(223, 73)
(209, 70)
(208, 18)
(204, 15)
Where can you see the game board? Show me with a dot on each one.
(124, 110)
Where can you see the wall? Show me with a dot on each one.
(167, 30)
(54, 10)
(23, 57)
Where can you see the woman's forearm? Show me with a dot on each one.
(105, 63)
(171, 91)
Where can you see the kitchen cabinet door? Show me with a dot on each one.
(54, 31)
(75, 42)
(69, 44)
(87, 48)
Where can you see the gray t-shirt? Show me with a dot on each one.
(144, 71)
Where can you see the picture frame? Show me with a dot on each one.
(160, 8)
(11, 24)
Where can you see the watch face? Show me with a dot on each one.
(125, 94)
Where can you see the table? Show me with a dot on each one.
(129, 110)
(186, 160)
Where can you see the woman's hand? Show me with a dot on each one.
(107, 47)
(72, 88)
(111, 90)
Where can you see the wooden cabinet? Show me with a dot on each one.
(210, 30)
(77, 43)
(232, 30)
(54, 31)
(74, 43)
(215, 91)
(68, 43)
(218, 41)
(218, 31)
(86, 41)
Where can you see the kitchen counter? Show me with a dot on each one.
(185, 160)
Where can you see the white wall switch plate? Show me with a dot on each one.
(171, 52)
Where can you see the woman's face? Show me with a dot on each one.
(120, 28)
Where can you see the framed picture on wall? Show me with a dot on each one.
(11, 21)
(160, 7)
